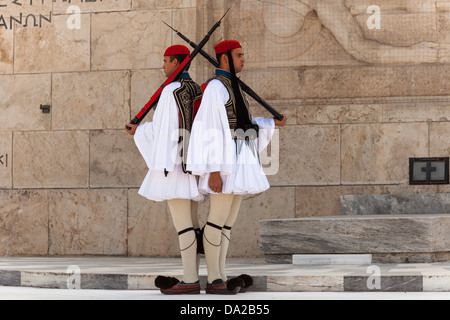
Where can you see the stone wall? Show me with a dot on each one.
(360, 100)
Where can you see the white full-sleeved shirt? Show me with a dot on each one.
(213, 149)
(158, 143)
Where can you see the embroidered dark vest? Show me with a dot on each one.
(230, 106)
(188, 98)
(247, 136)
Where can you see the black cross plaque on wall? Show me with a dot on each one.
(428, 171)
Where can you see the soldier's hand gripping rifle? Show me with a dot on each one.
(155, 98)
(244, 87)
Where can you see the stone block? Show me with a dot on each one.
(331, 259)
(104, 281)
(88, 222)
(322, 201)
(10, 278)
(436, 283)
(51, 159)
(439, 133)
(443, 25)
(417, 112)
(144, 84)
(92, 6)
(22, 96)
(373, 204)
(115, 160)
(335, 82)
(307, 283)
(309, 155)
(26, 7)
(278, 83)
(94, 100)
(415, 238)
(346, 81)
(420, 80)
(55, 47)
(24, 223)
(379, 153)
(391, 283)
(256, 110)
(5, 160)
(317, 201)
(245, 240)
(49, 280)
(331, 114)
(169, 4)
(150, 228)
(6, 51)
(133, 41)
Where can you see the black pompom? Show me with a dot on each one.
(248, 280)
(162, 282)
(235, 283)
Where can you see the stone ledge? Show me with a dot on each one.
(373, 204)
(419, 238)
(331, 259)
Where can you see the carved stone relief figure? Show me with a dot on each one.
(293, 27)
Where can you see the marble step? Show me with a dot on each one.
(371, 204)
(331, 259)
(388, 238)
(133, 273)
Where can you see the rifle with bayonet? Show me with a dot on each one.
(186, 62)
(244, 87)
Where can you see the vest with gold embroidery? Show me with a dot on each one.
(188, 98)
(230, 106)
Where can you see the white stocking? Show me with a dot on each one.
(220, 206)
(184, 215)
(226, 234)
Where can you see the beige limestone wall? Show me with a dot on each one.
(360, 102)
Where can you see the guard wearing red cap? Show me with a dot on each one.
(227, 45)
(164, 143)
(177, 50)
(228, 164)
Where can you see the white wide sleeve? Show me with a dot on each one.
(211, 147)
(144, 141)
(266, 131)
(166, 131)
(158, 140)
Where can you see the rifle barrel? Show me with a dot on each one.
(155, 98)
(244, 86)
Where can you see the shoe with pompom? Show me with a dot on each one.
(162, 282)
(183, 288)
(231, 287)
(248, 282)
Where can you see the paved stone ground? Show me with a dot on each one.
(26, 293)
(121, 273)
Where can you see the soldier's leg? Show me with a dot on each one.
(220, 205)
(181, 211)
(226, 234)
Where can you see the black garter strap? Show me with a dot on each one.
(214, 226)
(186, 230)
(227, 227)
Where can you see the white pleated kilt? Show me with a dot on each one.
(248, 176)
(177, 185)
